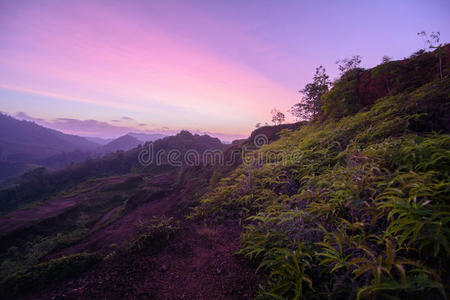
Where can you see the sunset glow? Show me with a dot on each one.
(198, 66)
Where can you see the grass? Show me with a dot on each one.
(361, 211)
(48, 272)
(153, 233)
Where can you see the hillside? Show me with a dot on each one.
(124, 143)
(23, 141)
(147, 137)
(353, 205)
(40, 183)
(356, 206)
(25, 145)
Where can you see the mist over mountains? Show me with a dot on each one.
(25, 145)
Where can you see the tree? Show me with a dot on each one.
(312, 100)
(277, 116)
(433, 42)
(385, 59)
(347, 64)
(258, 125)
(384, 69)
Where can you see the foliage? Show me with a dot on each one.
(433, 42)
(342, 100)
(20, 258)
(348, 64)
(20, 250)
(48, 272)
(277, 116)
(312, 101)
(360, 211)
(153, 233)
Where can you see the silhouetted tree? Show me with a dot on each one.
(385, 59)
(312, 100)
(277, 116)
(347, 64)
(433, 42)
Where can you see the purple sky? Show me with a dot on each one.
(103, 68)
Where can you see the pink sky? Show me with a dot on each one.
(198, 65)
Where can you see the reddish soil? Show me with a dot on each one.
(198, 263)
(118, 233)
(23, 218)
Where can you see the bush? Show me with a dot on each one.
(153, 233)
(363, 212)
(48, 272)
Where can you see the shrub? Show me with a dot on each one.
(45, 273)
(363, 212)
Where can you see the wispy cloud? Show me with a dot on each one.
(95, 128)
(92, 128)
(151, 71)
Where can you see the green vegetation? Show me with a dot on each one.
(47, 272)
(352, 208)
(153, 233)
(352, 205)
(20, 258)
(30, 248)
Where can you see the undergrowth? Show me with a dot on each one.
(357, 208)
(48, 272)
(152, 233)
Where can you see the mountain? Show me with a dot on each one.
(25, 145)
(97, 140)
(124, 143)
(185, 140)
(23, 141)
(111, 164)
(147, 137)
(352, 205)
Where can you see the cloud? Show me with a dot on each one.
(127, 118)
(92, 128)
(95, 128)
(23, 116)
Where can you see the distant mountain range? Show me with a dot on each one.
(129, 141)
(142, 137)
(25, 145)
(97, 140)
(125, 142)
(147, 137)
(23, 141)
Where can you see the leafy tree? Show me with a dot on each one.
(433, 42)
(312, 100)
(258, 125)
(277, 116)
(347, 64)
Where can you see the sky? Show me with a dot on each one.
(104, 68)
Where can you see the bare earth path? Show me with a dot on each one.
(199, 263)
